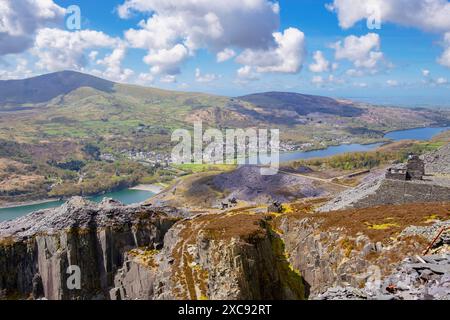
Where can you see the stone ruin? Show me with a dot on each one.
(231, 203)
(414, 169)
(275, 207)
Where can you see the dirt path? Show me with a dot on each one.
(328, 181)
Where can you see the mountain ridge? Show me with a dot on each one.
(302, 104)
(45, 87)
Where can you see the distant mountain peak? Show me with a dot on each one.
(302, 104)
(45, 87)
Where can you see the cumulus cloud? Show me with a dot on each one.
(429, 15)
(175, 30)
(58, 49)
(425, 72)
(113, 64)
(321, 64)
(167, 61)
(93, 55)
(246, 73)
(441, 81)
(204, 23)
(20, 19)
(321, 81)
(145, 78)
(363, 52)
(204, 78)
(445, 57)
(225, 55)
(21, 70)
(285, 57)
(214, 25)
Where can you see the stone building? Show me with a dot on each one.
(413, 170)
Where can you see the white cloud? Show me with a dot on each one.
(204, 78)
(429, 15)
(225, 55)
(167, 61)
(286, 57)
(93, 55)
(441, 81)
(321, 64)
(145, 78)
(425, 72)
(113, 64)
(246, 73)
(245, 25)
(200, 24)
(20, 71)
(322, 81)
(168, 79)
(58, 49)
(392, 83)
(363, 52)
(205, 23)
(444, 59)
(20, 19)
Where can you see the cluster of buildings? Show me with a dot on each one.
(149, 158)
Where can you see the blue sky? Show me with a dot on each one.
(175, 45)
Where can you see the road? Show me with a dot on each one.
(329, 181)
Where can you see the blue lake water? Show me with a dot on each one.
(421, 134)
(129, 196)
(126, 196)
(330, 151)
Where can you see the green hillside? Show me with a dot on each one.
(68, 133)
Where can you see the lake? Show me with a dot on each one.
(126, 196)
(421, 134)
(129, 196)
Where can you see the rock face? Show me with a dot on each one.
(356, 259)
(37, 250)
(142, 252)
(382, 191)
(438, 162)
(328, 259)
(422, 278)
(214, 257)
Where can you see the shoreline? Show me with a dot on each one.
(154, 188)
(12, 205)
